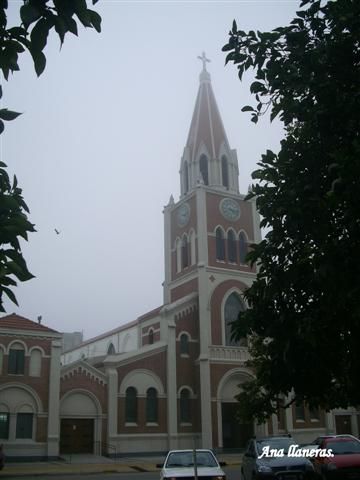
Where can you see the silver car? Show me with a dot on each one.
(181, 464)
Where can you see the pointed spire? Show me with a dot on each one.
(206, 126)
(208, 158)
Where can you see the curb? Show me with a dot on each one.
(83, 469)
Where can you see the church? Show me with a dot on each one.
(169, 378)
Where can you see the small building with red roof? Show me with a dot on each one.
(29, 387)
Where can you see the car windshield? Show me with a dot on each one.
(186, 459)
(274, 443)
(344, 447)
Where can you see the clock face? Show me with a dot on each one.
(183, 214)
(230, 209)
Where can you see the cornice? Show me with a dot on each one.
(29, 333)
(80, 366)
(135, 355)
(178, 305)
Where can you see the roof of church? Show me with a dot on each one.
(17, 322)
(145, 316)
(206, 124)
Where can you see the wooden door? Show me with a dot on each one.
(77, 435)
(343, 424)
(235, 435)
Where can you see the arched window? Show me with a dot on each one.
(220, 244)
(1, 359)
(131, 405)
(225, 172)
(192, 248)
(4, 422)
(186, 177)
(178, 255)
(151, 336)
(184, 252)
(111, 349)
(231, 241)
(204, 169)
(35, 363)
(185, 411)
(184, 344)
(243, 247)
(233, 306)
(16, 361)
(300, 411)
(151, 405)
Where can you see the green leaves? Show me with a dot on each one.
(38, 19)
(247, 108)
(6, 115)
(39, 34)
(39, 61)
(257, 87)
(29, 14)
(306, 296)
(13, 224)
(95, 20)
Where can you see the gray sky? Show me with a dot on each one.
(97, 150)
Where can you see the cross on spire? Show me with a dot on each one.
(204, 60)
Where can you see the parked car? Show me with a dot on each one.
(260, 462)
(318, 440)
(345, 464)
(179, 464)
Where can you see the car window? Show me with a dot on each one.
(274, 443)
(344, 447)
(186, 459)
(251, 449)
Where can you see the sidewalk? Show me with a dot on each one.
(86, 464)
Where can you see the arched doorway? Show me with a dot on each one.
(79, 425)
(232, 432)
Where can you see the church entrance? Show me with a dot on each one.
(235, 434)
(231, 432)
(343, 424)
(76, 435)
(80, 427)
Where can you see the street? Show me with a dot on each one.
(232, 473)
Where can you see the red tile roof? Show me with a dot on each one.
(16, 322)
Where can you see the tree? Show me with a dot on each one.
(38, 18)
(304, 305)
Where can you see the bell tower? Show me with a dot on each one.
(208, 232)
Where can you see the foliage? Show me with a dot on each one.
(304, 315)
(13, 224)
(41, 16)
(38, 18)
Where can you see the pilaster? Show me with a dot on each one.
(202, 226)
(329, 423)
(53, 434)
(171, 385)
(205, 340)
(112, 413)
(167, 254)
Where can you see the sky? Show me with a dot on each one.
(97, 149)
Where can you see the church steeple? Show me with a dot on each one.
(207, 156)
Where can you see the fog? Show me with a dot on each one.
(97, 150)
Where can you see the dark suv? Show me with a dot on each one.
(267, 458)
